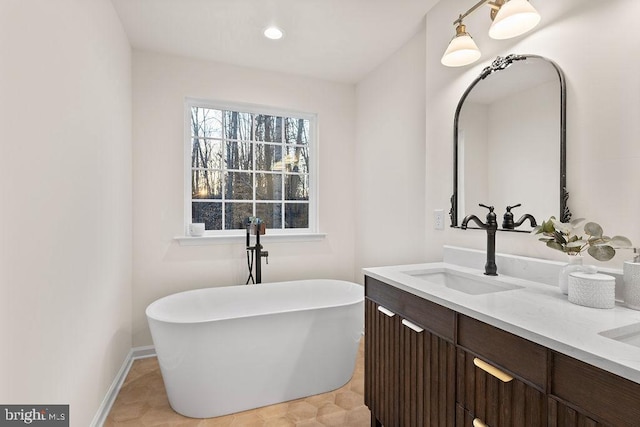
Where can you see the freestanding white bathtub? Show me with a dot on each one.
(225, 350)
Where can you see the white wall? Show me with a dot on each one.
(391, 219)
(65, 186)
(588, 40)
(161, 266)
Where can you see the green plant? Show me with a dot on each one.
(566, 237)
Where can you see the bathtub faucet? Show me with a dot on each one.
(255, 253)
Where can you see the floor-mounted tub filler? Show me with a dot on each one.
(229, 349)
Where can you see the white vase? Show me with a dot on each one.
(632, 285)
(575, 264)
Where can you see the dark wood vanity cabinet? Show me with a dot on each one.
(426, 365)
(409, 369)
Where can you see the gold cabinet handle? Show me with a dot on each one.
(492, 370)
(477, 422)
(386, 311)
(412, 326)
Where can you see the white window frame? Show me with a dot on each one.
(313, 226)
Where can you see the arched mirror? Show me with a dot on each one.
(510, 142)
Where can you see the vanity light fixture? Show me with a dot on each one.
(462, 50)
(510, 18)
(514, 18)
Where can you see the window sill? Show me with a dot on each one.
(266, 238)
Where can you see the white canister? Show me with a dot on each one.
(632, 284)
(592, 290)
(196, 229)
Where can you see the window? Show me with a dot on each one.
(244, 162)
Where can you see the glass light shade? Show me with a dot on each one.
(514, 18)
(461, 51)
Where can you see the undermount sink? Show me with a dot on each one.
(629, 334)
(463, 282)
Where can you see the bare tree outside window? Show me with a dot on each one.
(248, 164)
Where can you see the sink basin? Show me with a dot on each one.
(629, 334)
(463, 282)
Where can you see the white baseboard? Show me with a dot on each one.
(143, 352)
(110, 398)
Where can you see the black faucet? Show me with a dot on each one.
(257, 227)
(509, 224)
(490, 268)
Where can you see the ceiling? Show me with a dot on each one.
(337, 40)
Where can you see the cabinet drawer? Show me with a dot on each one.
(497, 402)
(436, 318)
(504, 350)
(601, 394)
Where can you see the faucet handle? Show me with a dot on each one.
(507, 219)
(491, 216)
(488, 207)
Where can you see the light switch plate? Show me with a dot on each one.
(438, 219)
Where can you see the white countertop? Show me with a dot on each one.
(538, 312)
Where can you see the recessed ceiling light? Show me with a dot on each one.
(273, 33)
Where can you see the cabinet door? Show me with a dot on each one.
(601, 395)
(440, 397)
(413, 380)
(382, 364)
(409, 372)
(494, 401)
(560, 415)
(463, 417)
(427, 383)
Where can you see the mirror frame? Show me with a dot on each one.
(499, 64)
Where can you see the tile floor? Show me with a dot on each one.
(142, 401)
